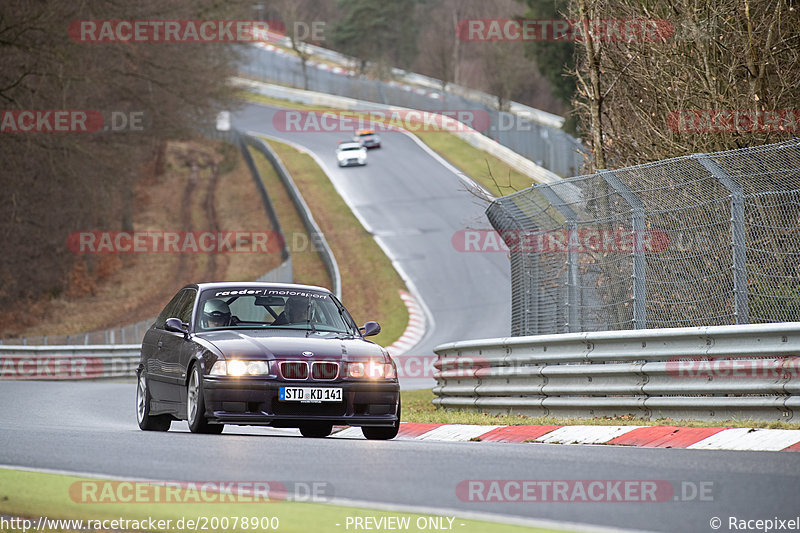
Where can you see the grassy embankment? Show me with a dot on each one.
(204, 186)
(370, 284)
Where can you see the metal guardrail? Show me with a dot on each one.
(69, 362)
(524, 133)
(241, 141)
(313, 229)
(122, 335)
(704, 373)
(531, 169)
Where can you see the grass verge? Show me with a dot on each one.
(418, 407)
(370, 284)
(307, 265)
(32, 495)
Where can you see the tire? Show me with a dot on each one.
(383, 433)
(148, 422)
(316, 430)
(196, 405)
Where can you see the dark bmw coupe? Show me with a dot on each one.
(280, 355)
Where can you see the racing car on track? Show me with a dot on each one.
(280, 355)
(367, 139)
(351, 153)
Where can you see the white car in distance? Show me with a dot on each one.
(351, 153)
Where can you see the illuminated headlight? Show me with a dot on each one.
(371, 370)
(240, 368)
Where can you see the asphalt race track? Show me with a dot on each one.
(90, 427)
(414, 205)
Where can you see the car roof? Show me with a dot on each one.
(365, 132)
(255, 285)
(346, 145)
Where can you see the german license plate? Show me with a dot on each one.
(309, 394)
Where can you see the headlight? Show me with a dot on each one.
(371, 370)
(237, 368)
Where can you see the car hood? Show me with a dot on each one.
(288, 344)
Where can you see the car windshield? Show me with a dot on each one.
(350, 148)
(272, 308)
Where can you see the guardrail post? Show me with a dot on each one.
(573, 324)
(740, 304)
(639, 265)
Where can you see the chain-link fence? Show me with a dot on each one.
(549, 147)
(707, 239)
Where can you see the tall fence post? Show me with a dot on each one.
(740, 303)
(573, 324)
(639, 265)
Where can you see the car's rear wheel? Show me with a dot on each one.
(196, 405)
(383, 433)
(147, 421)
(316, 430)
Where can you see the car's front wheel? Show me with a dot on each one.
(196, 405)
(316, 430)
(383, 433)
(147, 421)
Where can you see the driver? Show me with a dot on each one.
(295, 311)
(216, 314)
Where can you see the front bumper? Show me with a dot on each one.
(255, 402)
(351, 162)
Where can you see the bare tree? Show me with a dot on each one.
(299, 20)
(729, 55)
(439, 40)
(57, 183)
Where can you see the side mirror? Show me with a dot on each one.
(370, 328)
(175, 325)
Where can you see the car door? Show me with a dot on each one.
(173, 344)
(158, 376)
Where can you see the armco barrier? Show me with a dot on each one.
(705, 373)
(475, 138)
(69, 362)
(313, 229)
